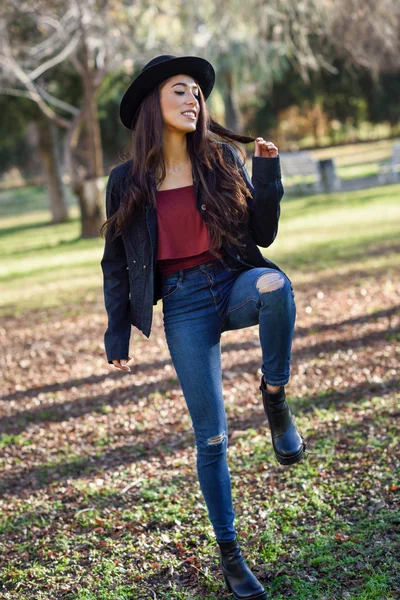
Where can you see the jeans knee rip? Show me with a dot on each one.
(270, 282)
(217, 439)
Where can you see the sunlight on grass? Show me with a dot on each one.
(349, 154)
(44, 265)
(327, 230)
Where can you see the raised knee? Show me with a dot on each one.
(268, 282)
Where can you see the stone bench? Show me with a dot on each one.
(390, 170)
(301, 165)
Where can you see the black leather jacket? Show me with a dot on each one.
(131, 283)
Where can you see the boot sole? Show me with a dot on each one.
(290, 460)
(260, 596)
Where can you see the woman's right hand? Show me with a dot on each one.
(121, 364)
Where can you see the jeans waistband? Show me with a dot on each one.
(214, 262)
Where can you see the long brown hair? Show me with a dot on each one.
(221, 185)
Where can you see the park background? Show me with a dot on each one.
(99, 494)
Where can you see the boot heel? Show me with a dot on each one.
(283, 460)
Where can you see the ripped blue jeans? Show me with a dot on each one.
(199, 303)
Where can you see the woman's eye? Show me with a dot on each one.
(196, 95)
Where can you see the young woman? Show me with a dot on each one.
(184, 222)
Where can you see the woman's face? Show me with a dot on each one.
(179, 94)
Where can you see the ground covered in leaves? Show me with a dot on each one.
(99, 492)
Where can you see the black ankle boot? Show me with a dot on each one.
(239, 580)
(287, 442)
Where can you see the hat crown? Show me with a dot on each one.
(157, 60)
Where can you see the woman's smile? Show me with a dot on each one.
(189, 115)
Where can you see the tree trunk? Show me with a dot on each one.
(232, 119)
(90, 194)
(88, 186)
(50, 156)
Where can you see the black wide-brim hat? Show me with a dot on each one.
(158, 69)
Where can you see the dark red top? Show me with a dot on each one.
(183, 239)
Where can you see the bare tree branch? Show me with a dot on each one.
(56, 102)
(65, 52)
(12, 65)
(63, 28)
(6, 91)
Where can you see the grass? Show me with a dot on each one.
(325, 230)
(332, 230)
(330, 536)
(100, 494)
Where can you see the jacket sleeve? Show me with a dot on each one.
(115, 286)
(266, 188)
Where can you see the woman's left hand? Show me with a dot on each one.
(265, 149)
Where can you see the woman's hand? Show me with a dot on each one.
(121, 364)
(265, 149)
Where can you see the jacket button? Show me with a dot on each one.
(238, 256)
(245, 245)
(134, 261)
(203, 207)
(144, 266)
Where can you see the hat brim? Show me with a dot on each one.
(199, 68)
